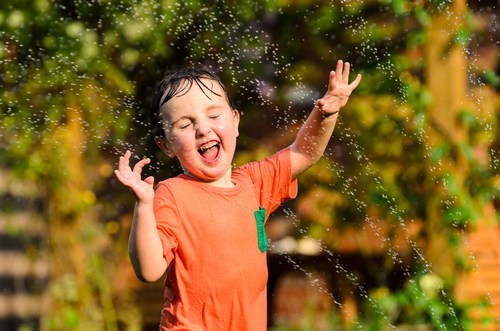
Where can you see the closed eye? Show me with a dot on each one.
(183, 124)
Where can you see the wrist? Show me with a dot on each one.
(327, 115)
(139, 204)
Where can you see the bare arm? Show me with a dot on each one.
(315, 133)
(144, 246)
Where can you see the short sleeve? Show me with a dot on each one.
(166, 216)
(272, 179)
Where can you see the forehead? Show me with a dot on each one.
(204, 92)
(206, 85)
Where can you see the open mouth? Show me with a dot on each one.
(210, 151)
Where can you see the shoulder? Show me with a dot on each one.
(166, 184)
(168, 188)
(278, 160)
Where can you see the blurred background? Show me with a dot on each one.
(395, 228)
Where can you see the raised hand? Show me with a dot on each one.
(338, 91)
(143, 189)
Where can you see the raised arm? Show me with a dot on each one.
(144, 246)
(315, 133)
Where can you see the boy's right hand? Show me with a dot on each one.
(143, 189)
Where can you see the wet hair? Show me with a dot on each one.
(178, 82)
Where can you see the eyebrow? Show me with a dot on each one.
(179, 119)
(215, 106)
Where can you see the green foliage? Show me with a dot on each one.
(492, 78)
(422, 301)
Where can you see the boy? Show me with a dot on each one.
(205, 227)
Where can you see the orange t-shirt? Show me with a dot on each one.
(217, 275)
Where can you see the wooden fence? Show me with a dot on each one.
(23, 266)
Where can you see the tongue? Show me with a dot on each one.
(211, 153)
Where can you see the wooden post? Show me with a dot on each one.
(446, 69)
(68, 258)
(446, 78)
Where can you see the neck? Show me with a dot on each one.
(224, 182)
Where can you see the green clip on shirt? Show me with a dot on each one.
(260, 217)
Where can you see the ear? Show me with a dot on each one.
(164, 146)
(236, 120)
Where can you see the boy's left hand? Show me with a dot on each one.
(338, 91)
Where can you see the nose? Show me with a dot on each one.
(203, 129)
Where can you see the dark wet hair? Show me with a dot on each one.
(178, 82)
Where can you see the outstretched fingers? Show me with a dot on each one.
(339, 71)
(355, 82)
(139, 165)
(345, 72)
(125, 173)
(339, 89)
(124, 162)
(123, 178)
(131, 177)
(340, 77)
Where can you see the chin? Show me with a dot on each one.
(213, 176)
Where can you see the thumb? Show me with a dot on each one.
(320, 103)
(150, 180)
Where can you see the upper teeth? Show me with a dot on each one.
(204, 148)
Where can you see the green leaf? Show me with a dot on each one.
(462, 37)
(399, 6)
(71, 319)
(422, 16)
(492, 78)
(440, 151)
(467, 118)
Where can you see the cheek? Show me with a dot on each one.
(229, 136)
(181, 143)
(226, 132)
(228, 128)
